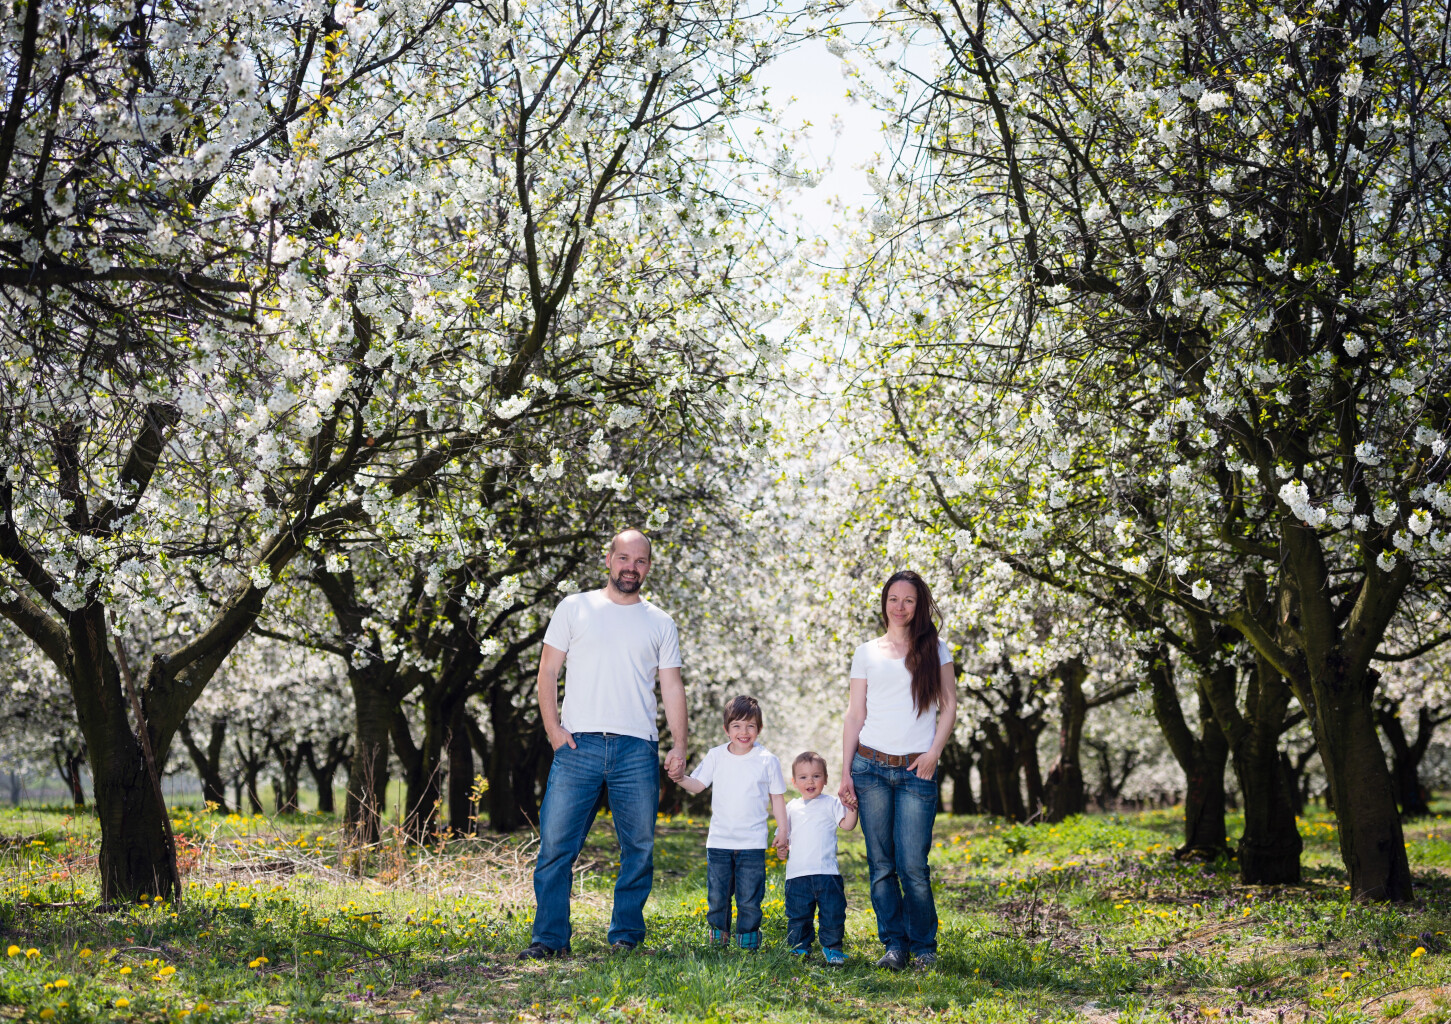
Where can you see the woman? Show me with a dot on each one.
(900, 716)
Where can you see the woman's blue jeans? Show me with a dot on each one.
(897, 809)
(630, 768)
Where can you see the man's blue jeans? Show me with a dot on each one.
(897, 809)
(630, 768)
(739, 873)
(805, 896)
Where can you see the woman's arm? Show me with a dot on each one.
(856, 717)
(926, 764)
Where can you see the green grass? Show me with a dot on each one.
(1089, 920)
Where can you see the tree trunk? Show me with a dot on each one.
(462, 811)
(956, 764)
(1065, 794)
(208, 762)
(1202, 757)
(1269, 849)
(323, 772)
(1371, 841)
(1004, 764)
(504, 751)
(422, 765)
(373, 706)
(1406, 756)
(69, 764)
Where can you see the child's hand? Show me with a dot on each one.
(675, 770)
(783, 846)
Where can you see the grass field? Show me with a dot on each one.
(1090, 920)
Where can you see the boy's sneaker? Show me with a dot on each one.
(720, 938)
(924, 961)
(893, 960)
(833, 957)
(539, 951)
(749, 940)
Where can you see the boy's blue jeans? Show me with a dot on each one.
(897, 809)
(805, 896)
(630, 768)
(741, 873)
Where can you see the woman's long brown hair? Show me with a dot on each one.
(922, 658)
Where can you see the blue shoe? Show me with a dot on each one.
(802, 951)
(749, 940)
(833, 957)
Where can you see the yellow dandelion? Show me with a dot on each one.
(12, 951)
(122, 1003)
(47, 1013)
(1419, 951)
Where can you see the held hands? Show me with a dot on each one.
(783, 844)
(675, 763)
(846, 793)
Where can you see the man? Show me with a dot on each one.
(616, 642)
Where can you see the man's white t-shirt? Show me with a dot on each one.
(612, 652)
(740, 798)
(893, 725)
(813, 835)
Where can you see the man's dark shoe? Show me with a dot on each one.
(893, 960)
(539, 951)
(621, 947)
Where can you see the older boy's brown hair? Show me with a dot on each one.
(809, 757)
(743, 709)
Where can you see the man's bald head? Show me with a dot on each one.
(631, 536)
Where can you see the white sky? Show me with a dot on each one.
(806, 85)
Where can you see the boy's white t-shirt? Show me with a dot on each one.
(612, 652)
(813, 835)
(740, 799)
(893, 725)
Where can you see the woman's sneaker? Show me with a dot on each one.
(893, 960)
(834, 957)
(924, 961)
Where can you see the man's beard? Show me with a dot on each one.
(625, 586)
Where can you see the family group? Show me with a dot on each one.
(901, 708)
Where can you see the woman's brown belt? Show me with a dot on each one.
(890, 760)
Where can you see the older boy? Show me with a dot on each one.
(747, 782)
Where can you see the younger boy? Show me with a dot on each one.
(747, 781)
(813, 881)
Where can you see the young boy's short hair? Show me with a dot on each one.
(743, 709)
(809, 757)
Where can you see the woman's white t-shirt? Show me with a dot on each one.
(893, 725)
(740, 799)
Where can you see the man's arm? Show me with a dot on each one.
(551, 660)
(672, 695)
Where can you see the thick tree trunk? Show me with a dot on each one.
(1371, 841)
(956, 764)
(1003, 764)
(462, 812)
(1065, 793)
(1202, 757)
(1269, 849)
(373, 707)
(503, 762)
